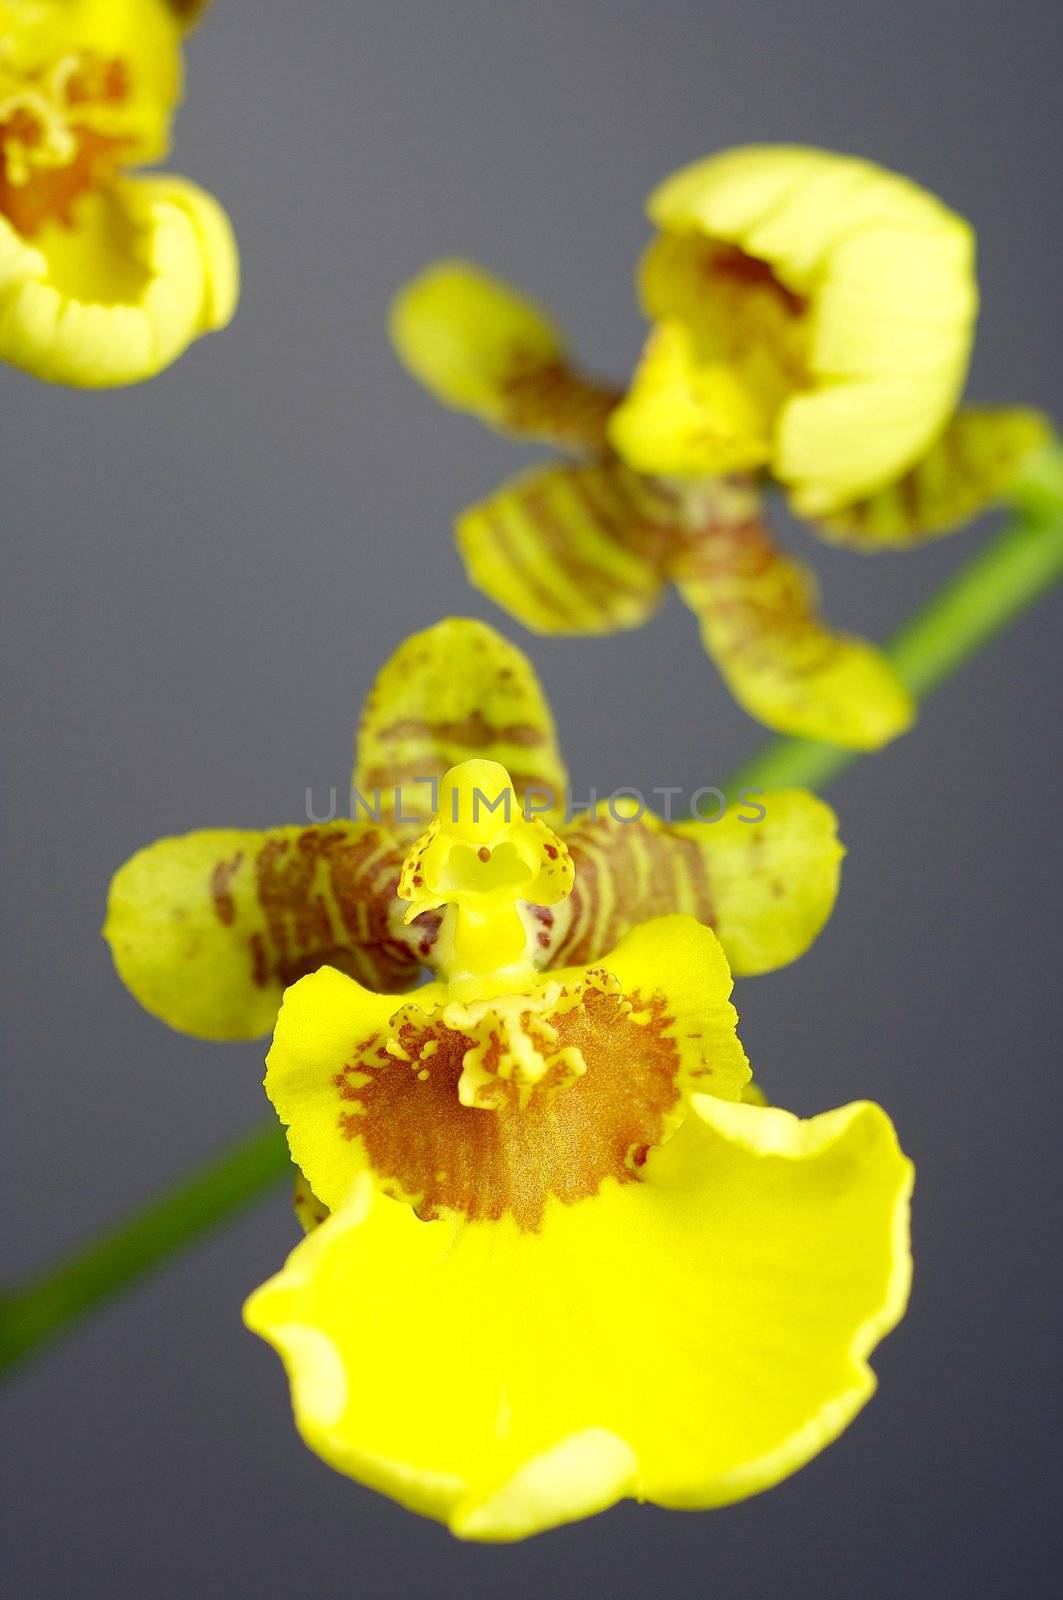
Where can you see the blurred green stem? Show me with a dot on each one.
(993, 588)
(46, 1303)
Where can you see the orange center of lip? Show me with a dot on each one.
(562, 1136)
(51, 152)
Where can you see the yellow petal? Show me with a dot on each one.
(464, 334)
(735, 309)
(688, 1339)
(206, 930)
(760, 624)
(149, 266)
(480, 346)
(455, 691)
(682, 418)
(585, 1069)
(683, 963)
(324, 1020)
(138, 38)
(886, 272)
(971, 466)
(764, 878)
(773, 881)
(570, 549)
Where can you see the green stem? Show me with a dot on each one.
(996, 586)
(50, 1301)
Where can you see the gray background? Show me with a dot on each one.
(203, 573)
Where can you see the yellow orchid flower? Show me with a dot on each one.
(208, 929)
(567, 1261)
(838, 298)
(812, 321)
(105, 278)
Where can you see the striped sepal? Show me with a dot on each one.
(208, 929)
(973, 464)
(481, 346)
(626, 873)
(456, 691)
(571, 548)
(559, 406)
(764, 877)
(761, 625)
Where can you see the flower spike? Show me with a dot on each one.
(812, 317)
(583, 1143)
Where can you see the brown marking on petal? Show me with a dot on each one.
(756, 606)
(964, 472)
(260, 974)
(526, 566)
(50, 189)
(553, 402)
(327, 897)
(473, 731)
(221, 889)
(557, 533)
(747, 311)
(627, 873)
(310, 1211)
(601, 584)
(564, 1140)
(691, 862)
(639, 514)
(98, 80)
(729, 262)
